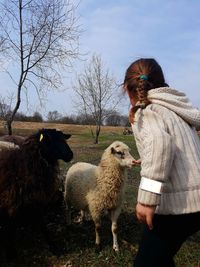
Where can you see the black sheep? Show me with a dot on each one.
(29, 179)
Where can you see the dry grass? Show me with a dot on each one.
(70, 128)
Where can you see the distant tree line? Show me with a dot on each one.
(5, 112)
(114, 119)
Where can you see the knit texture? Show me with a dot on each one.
(169, 147)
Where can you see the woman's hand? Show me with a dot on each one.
(145, 214)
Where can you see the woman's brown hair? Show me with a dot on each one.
(141, 76)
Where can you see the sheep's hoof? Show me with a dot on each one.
(116, 250)
(98, 248)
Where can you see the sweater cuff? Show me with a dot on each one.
(151, 185)
(148, 198)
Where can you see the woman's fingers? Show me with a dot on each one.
(145, 214)
(140, 218)
(149, 221)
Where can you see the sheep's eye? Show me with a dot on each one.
(122, 154)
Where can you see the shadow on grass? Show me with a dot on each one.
(75, 243)
(76, 247)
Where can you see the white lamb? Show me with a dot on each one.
(97, 189)
(7, 145)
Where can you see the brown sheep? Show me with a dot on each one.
(29, 179)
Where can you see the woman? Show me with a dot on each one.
(165, 127)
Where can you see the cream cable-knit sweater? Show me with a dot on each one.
(169, 147)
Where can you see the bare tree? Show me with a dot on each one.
(114, 119)
(39, 37)
(96, 91)
(4, 110)
(53, 116)
(5, 106)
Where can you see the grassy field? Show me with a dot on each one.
(76, 242)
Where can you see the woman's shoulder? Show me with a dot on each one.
(155, 109)
(158, 109)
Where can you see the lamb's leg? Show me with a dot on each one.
(95, 213)
(97, 232)
(82, 215)
(85, 216)
(114, 214)
(68, 214)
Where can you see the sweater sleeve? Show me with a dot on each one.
(156, 148)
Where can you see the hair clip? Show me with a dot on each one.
(144, 77)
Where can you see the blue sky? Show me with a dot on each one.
(121, 31)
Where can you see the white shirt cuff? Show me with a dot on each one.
(151, 185)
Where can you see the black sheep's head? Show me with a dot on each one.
(54, 144)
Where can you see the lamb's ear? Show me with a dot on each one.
(67, 136)
(113, 151)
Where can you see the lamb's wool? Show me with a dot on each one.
(7, 145)
(100, 188)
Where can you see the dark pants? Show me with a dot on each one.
(158, 246)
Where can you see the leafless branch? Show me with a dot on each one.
(95, 92)
(39, 36)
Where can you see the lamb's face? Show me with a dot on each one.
(122, 154)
